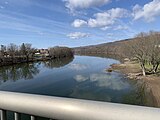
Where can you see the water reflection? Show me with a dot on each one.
(77, 67)
(109, 81)
(83, 78)
(90, 94)
(20, 71)
(29, 70)
(57, 63)
(80, 78)
(105, 80)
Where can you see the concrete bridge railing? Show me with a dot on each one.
(71, 109)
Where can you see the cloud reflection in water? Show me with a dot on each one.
(104, 80)
(80, 78)
(77, 67)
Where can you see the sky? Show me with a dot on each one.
(73, 23)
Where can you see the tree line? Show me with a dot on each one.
(60, 52)
(13, 53)
(145, 48)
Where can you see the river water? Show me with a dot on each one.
(80, 77)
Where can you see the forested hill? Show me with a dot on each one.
(111, 48)
(145, 46)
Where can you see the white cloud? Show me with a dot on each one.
(105, 28)
(77, 67)
(72, 5)
(149, 11)
(78, 35)
(107, 18)
(120, 27)
(80, 78)
(79, 23)
(103, 20)
(110, 34)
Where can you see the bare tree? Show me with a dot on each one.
(27, 50)
(23, 49)
(138, 48)
(12, 49)
(2, 53)
(59, 52)
(146, 49)
(154, 48)
(3, 50)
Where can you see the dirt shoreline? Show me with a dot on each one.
(152, 82)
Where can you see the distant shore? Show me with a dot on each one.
(19, 61)
(133, 72)
(9, 62)
(25, 54)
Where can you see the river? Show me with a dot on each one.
(83, 77)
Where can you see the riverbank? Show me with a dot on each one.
(25, 54)
(152, 82)
(19, 60)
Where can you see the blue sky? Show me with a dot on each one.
(46, 23)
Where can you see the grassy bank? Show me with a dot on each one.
(152, 82)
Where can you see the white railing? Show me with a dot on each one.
(71, 109)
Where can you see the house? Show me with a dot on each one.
(42, 53)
